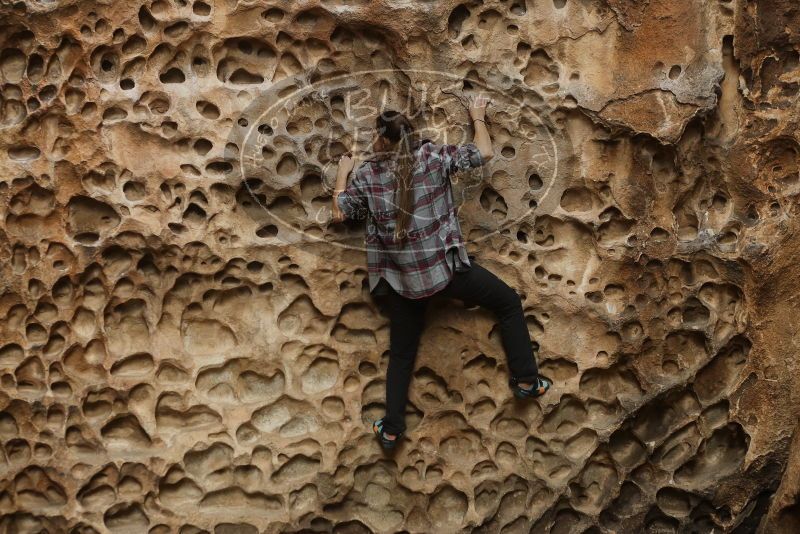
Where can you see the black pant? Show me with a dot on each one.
(475, 286)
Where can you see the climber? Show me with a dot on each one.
(415, 250)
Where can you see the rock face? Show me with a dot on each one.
(190, 345)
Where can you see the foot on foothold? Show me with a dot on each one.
(536, 390)
(386, 442)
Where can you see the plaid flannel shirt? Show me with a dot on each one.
(434, 248)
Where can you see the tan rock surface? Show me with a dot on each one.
(189, 344)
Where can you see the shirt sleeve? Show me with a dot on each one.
(456, 158)
(353, 200)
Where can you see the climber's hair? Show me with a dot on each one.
(398, 131)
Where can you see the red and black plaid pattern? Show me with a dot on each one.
(433, 249)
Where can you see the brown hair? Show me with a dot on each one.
(397, 129)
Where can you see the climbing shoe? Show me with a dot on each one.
(377, 428)
(536, 390)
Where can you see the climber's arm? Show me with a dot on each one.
(348, 201)
(482, 139)
(342, 171)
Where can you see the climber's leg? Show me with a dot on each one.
(407, 321)
(480, 286)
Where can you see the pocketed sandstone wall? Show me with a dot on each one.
(189, 344)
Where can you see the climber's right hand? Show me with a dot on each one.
(346, 164)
